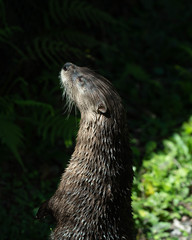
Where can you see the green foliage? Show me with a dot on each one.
(162, 189)
(32, 103)
(55, 127)
(143, 47)
(49, 124)
(63, 11)
(12, 136)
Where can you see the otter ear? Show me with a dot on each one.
(101, 107)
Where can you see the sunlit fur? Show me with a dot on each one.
(93, 199)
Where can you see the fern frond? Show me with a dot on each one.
(50, 51)
(187, 49)
(33, 103)
(6, 105)
(4, 33)
(7, 32)
(12, 136)
(79, 38)
(40, 49)
(45, 49)
(63, 10)
(138, 73)
(55, 11)
(66, 129)
(90, 14)
(58, 127)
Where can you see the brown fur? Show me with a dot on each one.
(93, 200)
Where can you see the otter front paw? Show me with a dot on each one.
(43, 211)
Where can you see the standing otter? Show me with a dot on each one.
(93, 199)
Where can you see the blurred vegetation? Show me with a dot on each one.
(163, 188)
(144, 47)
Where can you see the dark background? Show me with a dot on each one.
(144, 47)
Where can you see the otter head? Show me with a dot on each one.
(91, 92)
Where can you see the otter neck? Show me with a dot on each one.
(100, 144)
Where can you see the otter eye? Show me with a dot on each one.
(81, 80)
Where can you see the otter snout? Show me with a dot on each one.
(67, 66)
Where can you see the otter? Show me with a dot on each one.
(93, 199)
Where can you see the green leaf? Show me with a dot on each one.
(12, 136)
(33, 103)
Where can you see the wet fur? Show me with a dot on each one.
(93, 199)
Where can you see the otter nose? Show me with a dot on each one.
(66, 66)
